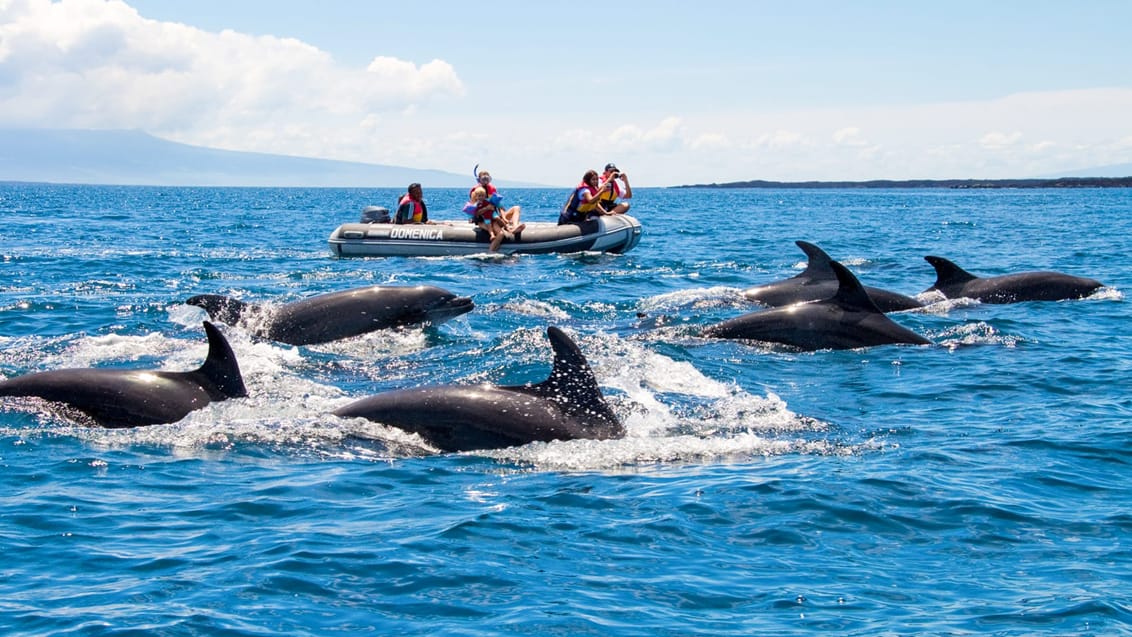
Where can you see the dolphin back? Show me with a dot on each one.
(954, 282)
(850, 293)
(573, 386)
(220, 374)
(134, 398)
(337, 315)
(948, 275)
(817, 282)
(817, 267)
(219, 307)
(807, 285)
(846, 320)
(567, 405)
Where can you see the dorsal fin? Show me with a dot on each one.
(219, 307)
(220, 373)
(850, 292)
(572, 383)
(818, 265)
(947, 273)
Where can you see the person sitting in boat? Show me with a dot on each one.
(483, 180)
(412, 208)
(607, 197)
(583, 202)
(511, 215)
(485, 214)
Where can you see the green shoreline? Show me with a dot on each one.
(1060, 182)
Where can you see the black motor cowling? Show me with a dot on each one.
(375, 214)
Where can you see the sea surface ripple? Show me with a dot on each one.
(977, 486)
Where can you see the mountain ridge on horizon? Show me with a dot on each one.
(134, 157)
(137, 158)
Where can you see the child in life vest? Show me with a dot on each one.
(487, 217)
(510, 215)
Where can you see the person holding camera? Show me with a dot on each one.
(608, 195)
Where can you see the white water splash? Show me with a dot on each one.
(976, 333)
(672, 413)
(719, 296)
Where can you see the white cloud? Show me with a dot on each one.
(410, 81)
(781, 140)
(849, 136)
(999, 141)
(666, 136)
(626, 136)
(1013, 136)
(98, 64)
(711, 142)
(575, 140)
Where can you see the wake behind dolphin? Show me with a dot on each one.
(954, 282)
(567, 405)
(131, 398)
(337, 315)
(849, 319)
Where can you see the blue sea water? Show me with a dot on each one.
(978, 486)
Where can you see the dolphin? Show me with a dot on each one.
(954, 282)
(818, 282)
(567, 405)
(847, 320)
(117, 398)
(337, 315)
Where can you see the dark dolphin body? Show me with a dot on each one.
(337, 315)
(567, 405)
(847, 320)
(818, 282)
(132, 398)
(955, 283)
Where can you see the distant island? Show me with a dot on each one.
(136, 158)
(1059, 182)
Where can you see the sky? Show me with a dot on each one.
(672, 92)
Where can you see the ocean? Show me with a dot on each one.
(980, 485)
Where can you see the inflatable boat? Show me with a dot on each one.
(610, 233)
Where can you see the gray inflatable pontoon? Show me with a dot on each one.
(610, 233)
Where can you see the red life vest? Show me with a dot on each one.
(580, 205)
(418, 208)
(610, 195)
(489, 189)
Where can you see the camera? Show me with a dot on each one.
(615, 175)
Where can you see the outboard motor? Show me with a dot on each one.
(375, 214)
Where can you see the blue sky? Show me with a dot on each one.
(674, 92)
